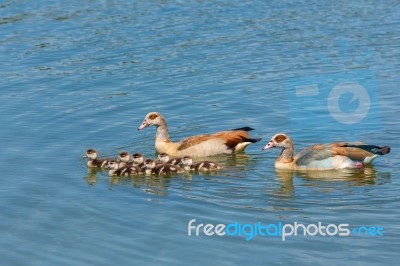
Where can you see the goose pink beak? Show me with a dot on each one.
(143, 125)
(269, 145)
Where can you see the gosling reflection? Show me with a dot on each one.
(91, 176)
(154, 185)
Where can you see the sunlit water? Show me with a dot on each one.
(80, 74)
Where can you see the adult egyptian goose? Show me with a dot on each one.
(225, 142)
(337, 155)
(203, 166)
(93, 161)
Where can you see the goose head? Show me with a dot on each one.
(152, 119)
(279, 140)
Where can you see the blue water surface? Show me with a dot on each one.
(81, 74)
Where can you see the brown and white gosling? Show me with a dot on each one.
(124, 159)
(164, 158)
(161, 169)
(138, 159)
(115, 170)
(93, 161)
(204, 166)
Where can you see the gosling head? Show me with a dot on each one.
(163, 157)
(91, 154)
(187, 161)
(138, 158)
(150, 164)
(124, 157)
(113, 165)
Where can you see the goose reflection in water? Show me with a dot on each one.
(349, 177)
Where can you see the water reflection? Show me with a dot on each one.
(350, 177)
(91, 176)
(238, 165)
(237, 160)
(286, 183)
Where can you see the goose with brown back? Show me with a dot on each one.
(224, 142)
(336, 155)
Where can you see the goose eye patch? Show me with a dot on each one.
(280, 138)
(153, 116)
